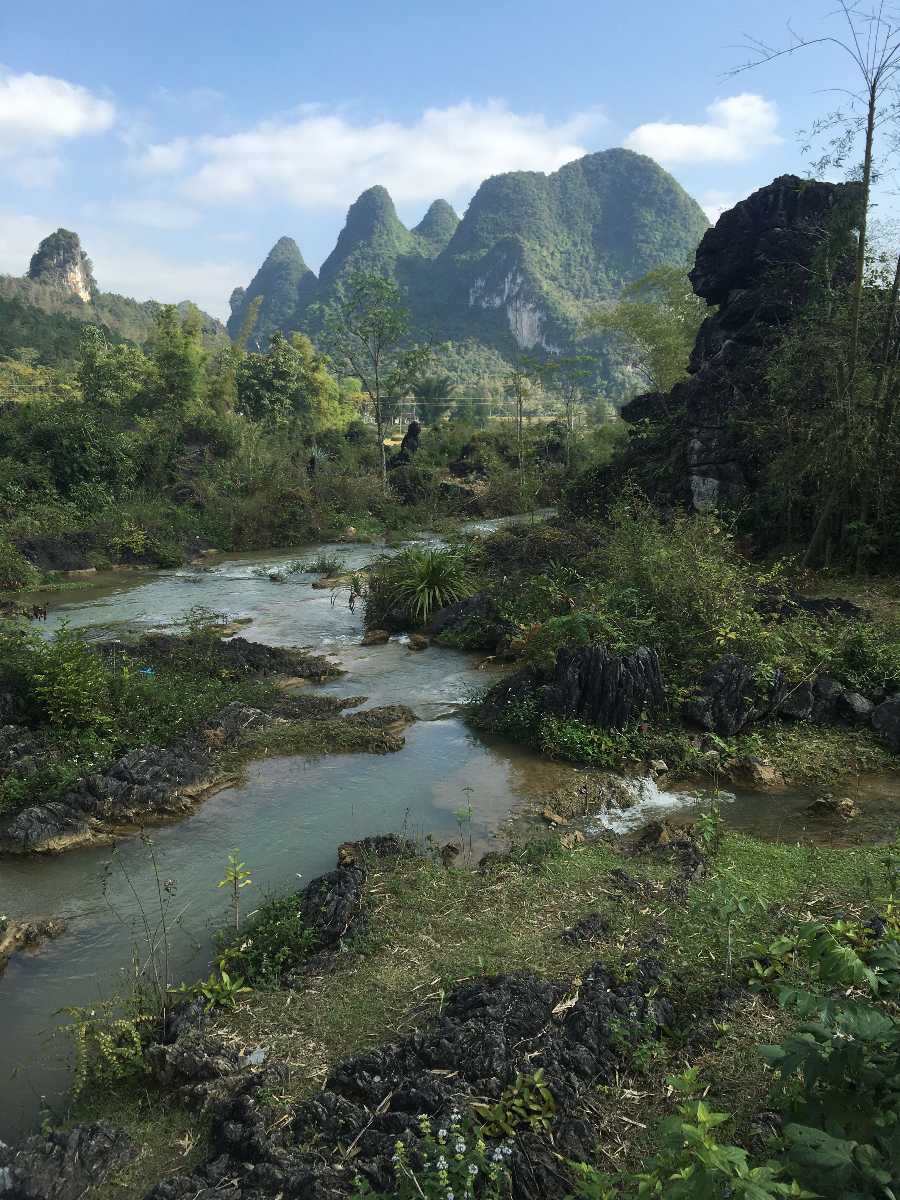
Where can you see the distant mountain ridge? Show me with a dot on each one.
(518, 272)
(45, 310)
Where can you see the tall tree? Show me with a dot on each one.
(367, 334)
(176, 347)
(655, 321)
(290, 385)
(110, 377)
(434, 397)
(568, 376)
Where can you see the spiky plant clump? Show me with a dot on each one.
(425, 580)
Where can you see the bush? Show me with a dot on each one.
(16, 572)
(423, 581)
(272, 942)
(406, 589)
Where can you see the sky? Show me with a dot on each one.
(182, 138)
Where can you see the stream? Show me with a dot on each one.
(289, 815)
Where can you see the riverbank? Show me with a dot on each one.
(610, 967)
(287, 816)
(77, 767)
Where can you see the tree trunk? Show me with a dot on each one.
(863, 227)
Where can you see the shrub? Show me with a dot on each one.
(16, 572)
(422, 581)
(273, 941)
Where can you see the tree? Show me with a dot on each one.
(655, 320)
(176, 348)
(520, 387)
(290, 385)
(870, 39)
(434, 397)
(110, 377)
(567, 377)
(367, 331)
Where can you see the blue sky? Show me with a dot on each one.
(181, 139)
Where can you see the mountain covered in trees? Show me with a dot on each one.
(532, 255)
(42, 313)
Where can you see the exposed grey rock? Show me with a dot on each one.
(475, 623)
(62, 1165)
(826, 694)
(608, 690)
(886, 721)
(725, 703)
(854, 708)
(797, 702)
(755, 265)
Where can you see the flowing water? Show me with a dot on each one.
(290, 814)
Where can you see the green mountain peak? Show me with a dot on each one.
(438, 226)
(283, 281)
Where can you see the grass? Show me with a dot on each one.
(169, 1139)
(427, 932)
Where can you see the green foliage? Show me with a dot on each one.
(656, 319)
(321, 564)
(691, 1163)
(367, 330)
(289, 384)
(236, 878)
(273, 942)
(434, 397)
(424, 580)
(709, 826)
(838, 1083)
(220, 989)
(453, 1162)
(109, 1048)
(61, 681)
(527, 1102)
(16, 571)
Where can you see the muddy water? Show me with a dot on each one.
(290, 813)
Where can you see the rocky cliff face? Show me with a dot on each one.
(756, 266)
(60, 262)
(531, 256)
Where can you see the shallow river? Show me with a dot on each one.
(289, 815)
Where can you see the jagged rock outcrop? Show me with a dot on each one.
(60, 262)
(489, 1030)
(604, 689)
(586, 682)
(755, 266)
(62, 1165)
(731, 698)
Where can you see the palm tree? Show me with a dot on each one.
(434, 396)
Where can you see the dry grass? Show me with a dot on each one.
(430, 928)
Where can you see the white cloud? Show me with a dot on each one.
(38, 111)
(714, 203)
(163, 158)
(120, 266)
(155, 214)
(325, 159)
(737, 129)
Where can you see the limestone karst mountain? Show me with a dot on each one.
(44, 311)
(59, 261)
(531, 256)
